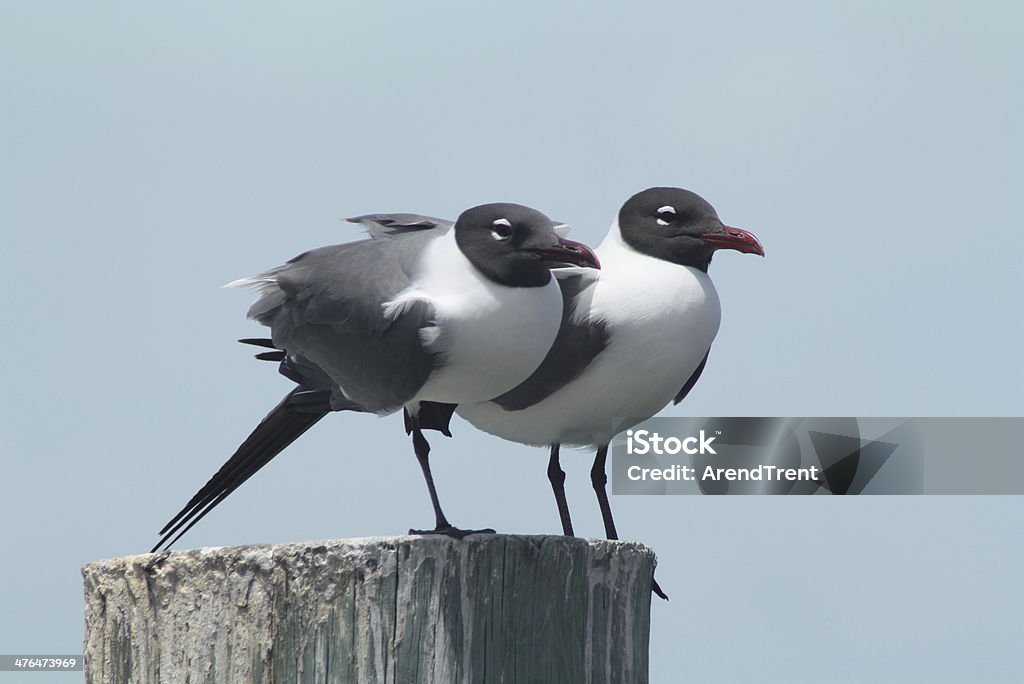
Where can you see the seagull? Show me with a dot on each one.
(458, 314)
(633, 338)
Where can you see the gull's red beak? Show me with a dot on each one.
(734, 238)
(570, 252)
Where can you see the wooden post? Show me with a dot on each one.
(489, 608)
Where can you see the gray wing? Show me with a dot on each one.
(577, 344)
(329, 333)
(694, 377)
(324, 309)
(391, 225)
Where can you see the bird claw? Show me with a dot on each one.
(451, 531)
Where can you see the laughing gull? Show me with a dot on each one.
(450, 316)
(633, 338)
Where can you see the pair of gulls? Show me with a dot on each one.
(496, 317)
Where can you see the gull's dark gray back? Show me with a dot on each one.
(394, 225)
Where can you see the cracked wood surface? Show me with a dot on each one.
(489, 608)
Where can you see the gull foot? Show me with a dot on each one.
(453, 532)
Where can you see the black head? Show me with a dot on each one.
(515, 245)
(679, 226)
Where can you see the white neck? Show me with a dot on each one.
(613, 241)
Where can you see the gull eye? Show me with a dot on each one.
(665, 215)
(501, 229)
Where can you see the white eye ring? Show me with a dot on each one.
(667, 209)
(502, 235)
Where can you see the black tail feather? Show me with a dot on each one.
(259, 342)
(281, 427)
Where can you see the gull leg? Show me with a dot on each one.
(599, 479)
(557, 478)
(422, 449)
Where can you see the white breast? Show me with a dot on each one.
(492, 337)
(662, 319)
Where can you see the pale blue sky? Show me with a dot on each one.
(151, 154)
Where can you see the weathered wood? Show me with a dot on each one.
(490, 608)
